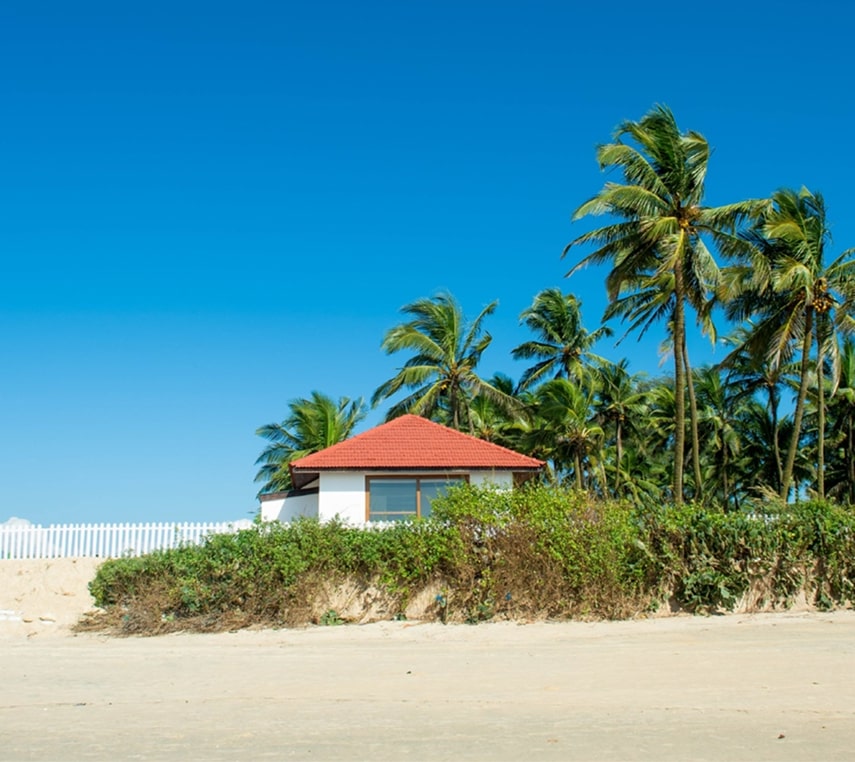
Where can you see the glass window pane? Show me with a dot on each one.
(392, 499)
(432, 488)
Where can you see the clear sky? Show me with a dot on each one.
(209, 209)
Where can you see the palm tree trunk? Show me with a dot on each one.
(800, 405)
(619, 454)
(776, 444)
(679, 388)
(850, 457)
(578, 464)
(693, 422)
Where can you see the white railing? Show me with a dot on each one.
(104, 540)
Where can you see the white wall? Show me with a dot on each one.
(270, 509)
(300, 506)
(500, 479)
(291, 508)
(342, 494)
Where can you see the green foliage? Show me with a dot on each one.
(440, 377)
(537, 552)
(825, 533)
(330, 618)
(265, 575)
(659, 243)
(562, 344)
(711, 560)
(312, 424)
(543, 550)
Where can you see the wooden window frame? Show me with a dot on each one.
(450, 476)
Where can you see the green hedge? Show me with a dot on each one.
(537, 552)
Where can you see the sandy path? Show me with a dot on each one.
(764, 687)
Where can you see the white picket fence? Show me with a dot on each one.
(104, 540)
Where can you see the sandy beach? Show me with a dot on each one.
(738, 687)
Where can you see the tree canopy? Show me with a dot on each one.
(775, 418)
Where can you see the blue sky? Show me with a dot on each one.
(210, 209)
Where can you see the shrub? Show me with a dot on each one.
(537, 552)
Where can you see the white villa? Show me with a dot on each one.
(393, 472)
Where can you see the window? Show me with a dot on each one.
(405, 497)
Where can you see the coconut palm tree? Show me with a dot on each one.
(656, 440)
(758, 471)
(746, 369)
(661, 231)
(441, 375)
(642, 478)
(841, 481)
(620, 405)
(565, 432)
(719, 404)
(492, 422)
(647, 437)
(562, 345)
(795, 301)
(651, 301)
(312, 424)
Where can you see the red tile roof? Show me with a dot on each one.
(412, 442)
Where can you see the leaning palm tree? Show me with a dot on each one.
(312, 424)
(562, 344)
(660, 231)
(441, 375)
(795, 301)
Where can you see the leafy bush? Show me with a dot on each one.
(537, 552)
(543, 551)
(711, 560)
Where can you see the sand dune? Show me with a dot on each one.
(44, 598)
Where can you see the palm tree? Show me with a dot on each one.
(748, 370)
(758, 471)
(620, 404)
(647, 437)
(312, 424)
(492, 422)
(642, 477)
(562, 344)
(658, 436)
(441, 374)
(842, 416)
(565, 431)
(652, 300)
(659, 236)
(795, 301)
(719, 413)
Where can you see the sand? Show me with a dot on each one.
(44, 598)
(739, 687)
